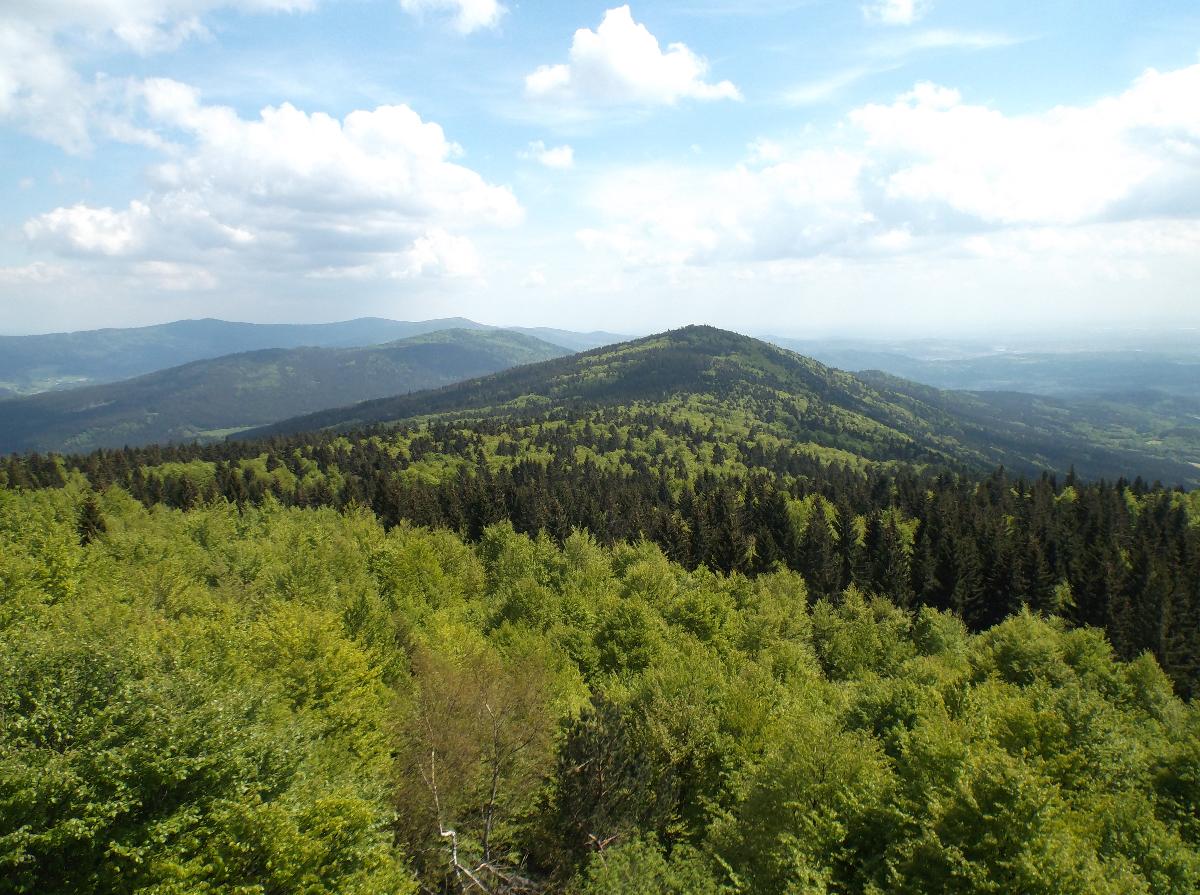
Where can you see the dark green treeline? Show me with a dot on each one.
(1123, 556)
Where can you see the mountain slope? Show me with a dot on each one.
(1150, 433)
(31, 364)
(108, 355)
(209, 398)
(718, 375)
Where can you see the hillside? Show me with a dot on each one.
(207, 399)
(31, 364)
(871, 417)
(1149, 433)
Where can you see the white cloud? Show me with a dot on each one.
(896, 12)
(37, 272)
(84, 230)
(764, 151)
(173, 277)
(621, 63)
(378, 193)
(922, 174)
(43, 94)
(933, 151)
(561, 157)
(40, 90)
(535, 279)
(468, 15)
(805, 205)
(435, 253)
(385, 160)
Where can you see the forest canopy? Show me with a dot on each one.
(266, 698)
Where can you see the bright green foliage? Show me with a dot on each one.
(269, 699)
(639, 867)
(162, 730)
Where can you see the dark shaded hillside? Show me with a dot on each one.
(1131, 435)
(32, 364)
(872, 416)
(37, 363)
(206, 399)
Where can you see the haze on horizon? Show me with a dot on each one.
(884, 168)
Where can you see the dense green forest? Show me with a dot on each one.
(273, 699)
(1134, 428)
(801, 401)
(208, 399)
(1124, 556)
(691, 615)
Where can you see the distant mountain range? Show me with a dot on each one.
(208, 399)
(872, 417)
(1061, 371)
(31, 364)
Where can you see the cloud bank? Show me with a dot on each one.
(378, 193)
(924, 171)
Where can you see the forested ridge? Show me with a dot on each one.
(737, 626)
(208, 399)
(873, 416)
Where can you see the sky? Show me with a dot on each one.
(800, 167)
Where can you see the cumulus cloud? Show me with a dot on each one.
(807, 204)
(436, 253)
(621, 63)
(84, 230)
(467, 15)
(896, 12)
(923, 173)
(561, 157)
(378, 193)
(40, 90)
(1071, 164)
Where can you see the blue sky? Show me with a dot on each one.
(887, 167)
